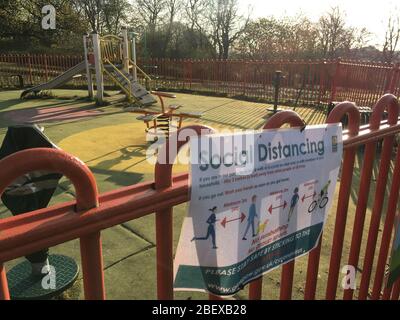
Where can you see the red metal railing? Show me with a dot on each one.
(304, 82)
(36, 68)
(90, 214)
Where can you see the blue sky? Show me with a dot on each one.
(370, 14)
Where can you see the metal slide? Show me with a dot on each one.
(57, 81)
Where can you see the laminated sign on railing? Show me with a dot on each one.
(258, 200)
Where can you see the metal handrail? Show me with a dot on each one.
(140, 70)
(148, 79)
(128, 92)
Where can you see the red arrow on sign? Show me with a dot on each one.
(310, 196)
(226, 221)
(271, 208)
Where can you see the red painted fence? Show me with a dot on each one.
(93, 213)
(34, 68)
(304, 82)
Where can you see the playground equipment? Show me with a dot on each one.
(58, 81)
(162, 122)
(114, 56)
(29, 192)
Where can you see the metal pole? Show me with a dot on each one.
(394, 72)
(349, 155)
(164, 223)
(277, 85)
(4, 293)
(335, 81)
(92, 266)
(278, 76)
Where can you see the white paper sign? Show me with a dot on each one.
(258, 200)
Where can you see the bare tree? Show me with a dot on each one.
(362, 38)
(195, 19)
(194, 13)
(152, 12)
(115, 14)
(174, 7)
(333, 35)
(103, 15)
(92, 11)
(284, 38)
(331, 28)
(392, 38)
(227, 24)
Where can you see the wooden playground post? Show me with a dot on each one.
(88, 72)
(99, 69)
(30, 69)
(322, 72)
(133, 53)
(125, 49)
(46, 69)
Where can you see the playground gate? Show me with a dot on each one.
(91, 213)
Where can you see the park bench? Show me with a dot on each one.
(365, 114)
